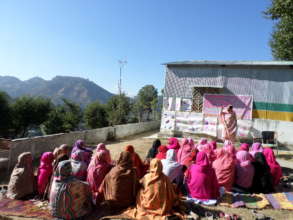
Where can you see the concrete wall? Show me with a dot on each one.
(38, 145)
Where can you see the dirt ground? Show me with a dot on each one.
(143, 142)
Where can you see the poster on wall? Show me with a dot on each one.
(244, 128)
(186, 105)
(168, 121)
(188, 122)
(210, 125)
(242, 105)
(178, 104)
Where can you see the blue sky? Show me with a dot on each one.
(86, 38)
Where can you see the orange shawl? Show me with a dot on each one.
(156, 197)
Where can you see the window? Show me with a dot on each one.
(197, 96)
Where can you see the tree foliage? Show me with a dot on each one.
(146, 101)
(5, 114)
(63, 118)
(29, 112)
(118, 108)
(95, 115)
(282, 36)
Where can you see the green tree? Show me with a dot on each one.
(95, 115)
(29, 112)
(5, 114)
(118, 109)
(282, 37)
(63, 118)
(146, 101)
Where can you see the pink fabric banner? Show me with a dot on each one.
(242, 105)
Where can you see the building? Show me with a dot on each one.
(262, 90)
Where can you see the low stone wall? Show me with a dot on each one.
(38, 145)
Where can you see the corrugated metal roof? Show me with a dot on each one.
(231, 63)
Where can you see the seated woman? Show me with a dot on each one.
(45, 172)
(79, 166)
(255, 148)
(162, 151)
(121, 183)
(202, 145)
(213, 144)
(85, 154)
(262, 180)
(102, 147)
(70, 198)
(184, 151)
(244, 172)
(157, 197)
(171, 168)
(154, 149)
(173, 143)
(244, 146)
(22, 182)
(136, 161)
(275, 167)
(201, 179)
(224, 167)
(97, 171)
(61, 153)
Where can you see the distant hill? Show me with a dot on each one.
(79, 90)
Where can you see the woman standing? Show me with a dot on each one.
(229, 120)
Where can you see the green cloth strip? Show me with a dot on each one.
(272, 107)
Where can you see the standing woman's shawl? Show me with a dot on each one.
(69, 197)
(184, 151)
(157, 197)
(102, 147)
(275, 167)
(262, 180)
(79, 146)
(136, 161)
(21, 181)
(154, 150)
(244, 170)
(224, 167)
(229, 121)
(173, 143)
(255, 148)
(171, 168)
(162, 152)
(45, 171)
(97, 171)
(201, 179)
(79, 166)
(120, 184)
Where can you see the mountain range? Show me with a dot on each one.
(77, 89)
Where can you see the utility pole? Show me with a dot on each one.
(122, 63)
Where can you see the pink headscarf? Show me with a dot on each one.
(203, 145)
(275, 168)
(256, 147)
(97, 171)
(201, 179)
(102, 147)
(184, 151)
(213, 145)
(244, 170)
(224, 167)
(45, 171)
(191, 143)
(244, 147)
(173, 143)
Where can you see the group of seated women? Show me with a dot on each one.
(76, 182)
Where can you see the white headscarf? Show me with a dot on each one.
(171, 168)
